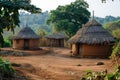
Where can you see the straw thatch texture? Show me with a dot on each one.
(56, 36)
(92, 33)
(26, 33)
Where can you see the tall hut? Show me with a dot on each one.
(92, 40)
(56, 40)
(26, 39)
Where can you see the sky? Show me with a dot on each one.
(100, 9)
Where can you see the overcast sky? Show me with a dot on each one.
(100, 9)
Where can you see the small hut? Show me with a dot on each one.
(56, 40)
(26, 39)
(92, 40)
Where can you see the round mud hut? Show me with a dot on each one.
(26, 39)
(92, 40)
(56, 40)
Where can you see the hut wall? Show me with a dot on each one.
(48, 41)
(74, 49)
(96, 50)
(55, 42)
(18, 44)
(61, 42)
(33, 43)
(52, 43)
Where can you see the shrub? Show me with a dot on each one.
(116, 54)
(94, 75)
(114, 76)
(7, 43)
(6, 70)
(103, 75)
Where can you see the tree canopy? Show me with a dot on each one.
(9, 13)
(111, 26)
(107, 19)
(104, 1)
(69, 18)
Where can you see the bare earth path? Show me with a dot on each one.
(56, 65)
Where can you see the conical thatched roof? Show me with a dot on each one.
(26, 33)
(56, 36)
(92, 33)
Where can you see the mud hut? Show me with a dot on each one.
(26, 39)
(92, 40)
(56, 40)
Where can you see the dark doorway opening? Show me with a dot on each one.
(59, 45)
(26, 44)
(78, 48)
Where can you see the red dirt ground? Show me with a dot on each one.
(56, 64)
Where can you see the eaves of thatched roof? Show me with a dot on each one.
(92, 33)
(56, 36)
(26, 33)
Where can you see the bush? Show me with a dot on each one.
(114, 76)
(6, 70)
(116, 54)
(94, 75)
(103, 75)
(7, 43)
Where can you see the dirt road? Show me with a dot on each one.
(56, 64)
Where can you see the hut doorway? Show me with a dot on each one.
(26, 44)
(60, 43)
(79, 49)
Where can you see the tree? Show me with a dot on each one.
(41, 32)
(116, 33)
(9, 13)
(69, 18)
(114, 29)
(111, 26)
(104, 1)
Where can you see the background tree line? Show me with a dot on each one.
(38, 21)
(60, 18)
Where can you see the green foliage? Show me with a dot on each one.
(116, 49)
(38, 22)
(69, 18)
(114, 28)
(115, 56)
(104, 1)
(35, 21)
(115, 75)
(1, 41)
(6, 70)
(110, 77)
(94, 75)
(9, 13)
(112, 25)
(103, 75)
(7, 42)
(107, 19)
(116, 33)
(42, 32)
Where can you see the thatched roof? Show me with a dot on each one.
(56, 36)
(92, 33)
(26, 33)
